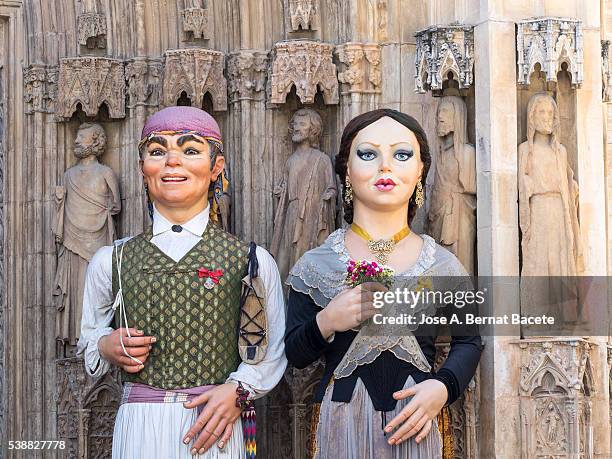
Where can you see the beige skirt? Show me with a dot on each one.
(354, 430)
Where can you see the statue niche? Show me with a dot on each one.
(452, 212)
(307, 194)
(85, 206)
(548, 196)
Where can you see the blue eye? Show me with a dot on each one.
(366, 155)
(403, 155)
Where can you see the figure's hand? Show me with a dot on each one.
(216, 421)
(59, 239)
(349, 308)
(416, 417)
(138, 346)
(277, 191)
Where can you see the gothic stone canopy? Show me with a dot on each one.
(444, 49)
(305, 64)
(91, 82)
(550, 42)
(195, 72)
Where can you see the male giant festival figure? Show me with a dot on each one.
(306, 208)
(175, 294)
(86, 204)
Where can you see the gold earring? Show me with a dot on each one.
(420, 197)
(348, 191)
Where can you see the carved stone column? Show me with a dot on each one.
(308, 66)
(550, 42)
(444, 50)
(91, 82)
(556, 384)
(360, 75)
(247, 73)
(195, 72)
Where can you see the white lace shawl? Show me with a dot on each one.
(320, 273)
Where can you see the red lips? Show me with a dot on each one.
(384, 181)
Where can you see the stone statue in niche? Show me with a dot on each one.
(548, 196)
(452, 212)
(85, 208)
(307, 194)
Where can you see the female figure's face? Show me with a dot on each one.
(177, 170)
(384, 165)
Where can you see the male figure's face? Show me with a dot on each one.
(85, 142)
(301, 129)
(445, 125)
(177, 170)
(544, 115)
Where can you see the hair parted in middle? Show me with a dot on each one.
(364, 120)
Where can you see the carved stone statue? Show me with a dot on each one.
(85, 206)
(307, 194)
(452, 213)
(548, 196)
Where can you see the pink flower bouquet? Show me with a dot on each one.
(358, 272)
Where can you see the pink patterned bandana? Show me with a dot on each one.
(182, 120)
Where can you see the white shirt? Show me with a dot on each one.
(98, 301)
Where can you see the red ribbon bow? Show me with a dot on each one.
(214, 275)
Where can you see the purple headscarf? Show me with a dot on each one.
(182, 120)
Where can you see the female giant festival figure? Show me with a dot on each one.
(175, 294)
(377, 382)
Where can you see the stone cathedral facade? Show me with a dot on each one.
(253, 64)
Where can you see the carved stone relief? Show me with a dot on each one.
(303, 14)
(550, 42)
(92, 30)
(360, 65)
(91, 82)
(40, 88)
(143, 81)
(85, 206)
(84, 407)
(441, 50)
(306, 210)
(307, 65)
(246, 72)
(195, 22)
(195, 72)
(556, 383)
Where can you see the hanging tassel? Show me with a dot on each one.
(384, 422)
(444, 426)
(249, 431)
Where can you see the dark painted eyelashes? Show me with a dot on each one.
(400, 155)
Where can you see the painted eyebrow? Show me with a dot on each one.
(158, 139)
(397, 143)
(370, 143)
(187, 138)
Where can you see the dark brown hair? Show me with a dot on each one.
(364, 120)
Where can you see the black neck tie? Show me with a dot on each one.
(177, 228)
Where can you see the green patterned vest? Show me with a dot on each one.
(196, 327)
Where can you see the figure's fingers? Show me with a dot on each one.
(405, 393)
(197, 401)
(206, 435)
(138, 341)
(411, 427)
(139, 351)
(374, 287)
(215, 435)
(229, 428)
(424, 431)
(203, 418)
(127, 362)
(401, 417)
(132, 369)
